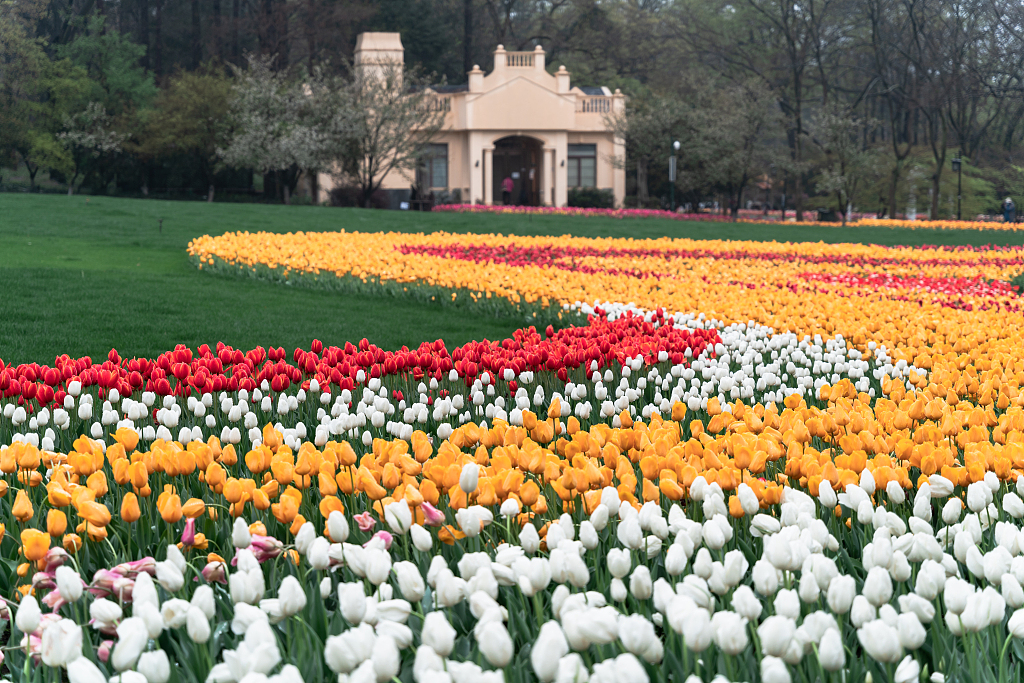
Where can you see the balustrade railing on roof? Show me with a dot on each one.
(594, 104)
(519, 59)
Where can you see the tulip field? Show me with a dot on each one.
(694, 461)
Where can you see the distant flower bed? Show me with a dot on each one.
(719, 218)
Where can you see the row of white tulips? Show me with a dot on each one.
(619, 596)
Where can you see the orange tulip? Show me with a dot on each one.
(56, 523)
(34, 544)
(193, 508)
(130, 511)
(170, 508)
(22, 509)
(95, 513)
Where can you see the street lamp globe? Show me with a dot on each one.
(676, 145)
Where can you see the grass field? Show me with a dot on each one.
(81, 275)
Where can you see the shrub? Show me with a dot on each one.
(591, 198)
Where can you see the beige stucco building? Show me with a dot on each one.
(517, 122)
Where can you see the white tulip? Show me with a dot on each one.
(640, 585)
(169, 576)
(496, 644)
(386, 659)
(28, 615)
(878, 586)
(438, 633)
(197, 625)
(831, 653)
(132, 636)
(880, 641)
(240, 536)
(862, 611)
(61, 642)
(155, 666)
(549, 648)
(69, 583)
(398, 516)
(774, 670)
(337, 527)
(908, 671)
(469, 477)
(352, 602)
(729, 632)
(292, 596)
(203, 599)
(421, 538)
(82, 670)
(775, 633)
(173, 612)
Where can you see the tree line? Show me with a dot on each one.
(849, 105)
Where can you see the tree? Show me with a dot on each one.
(848, 166)
(190, 118)
(88, 136)
(732, 123)
(264, 114)
(394, 115)
(649, 126)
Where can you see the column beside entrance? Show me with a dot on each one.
(548, 177)
(488, 175)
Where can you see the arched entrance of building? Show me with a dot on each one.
(518, 158)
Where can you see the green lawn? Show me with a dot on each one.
(80, 275)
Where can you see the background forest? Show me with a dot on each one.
(843, 105)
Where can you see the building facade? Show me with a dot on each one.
(517, 123)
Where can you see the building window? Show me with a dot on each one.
(432, 172)
(582, 165)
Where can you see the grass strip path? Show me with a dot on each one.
(80, 275)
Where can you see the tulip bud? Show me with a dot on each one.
(292, 597)
(640, 585)
(337, 526)
(197, 625)
(240, 536)
(438, 634)
(496, 644)
(61, 642)
(469, 477)
(410, 581)
(154, 666)
(28, 615)
(82, 670)
(132, 636)
(831, 653)
(398, 516)
(421, 538)
(305, 538)
(352, 602)
(547, 651)
(69, 583)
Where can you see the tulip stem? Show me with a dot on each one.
(1002, 658)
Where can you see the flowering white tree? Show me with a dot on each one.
(394, 115)
(265, 113)
(88, 135)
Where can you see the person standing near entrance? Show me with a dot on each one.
(1009, 211)
(506, 190)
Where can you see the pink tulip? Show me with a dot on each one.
(188, 536)
(103, 652)
(215, 572)
(365, 521)
(265, 548)
(132, 569)
(384, 536)
(431, 515)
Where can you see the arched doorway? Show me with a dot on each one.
(519, 158)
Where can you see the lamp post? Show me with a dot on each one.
(957, 166)
(672, 176)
